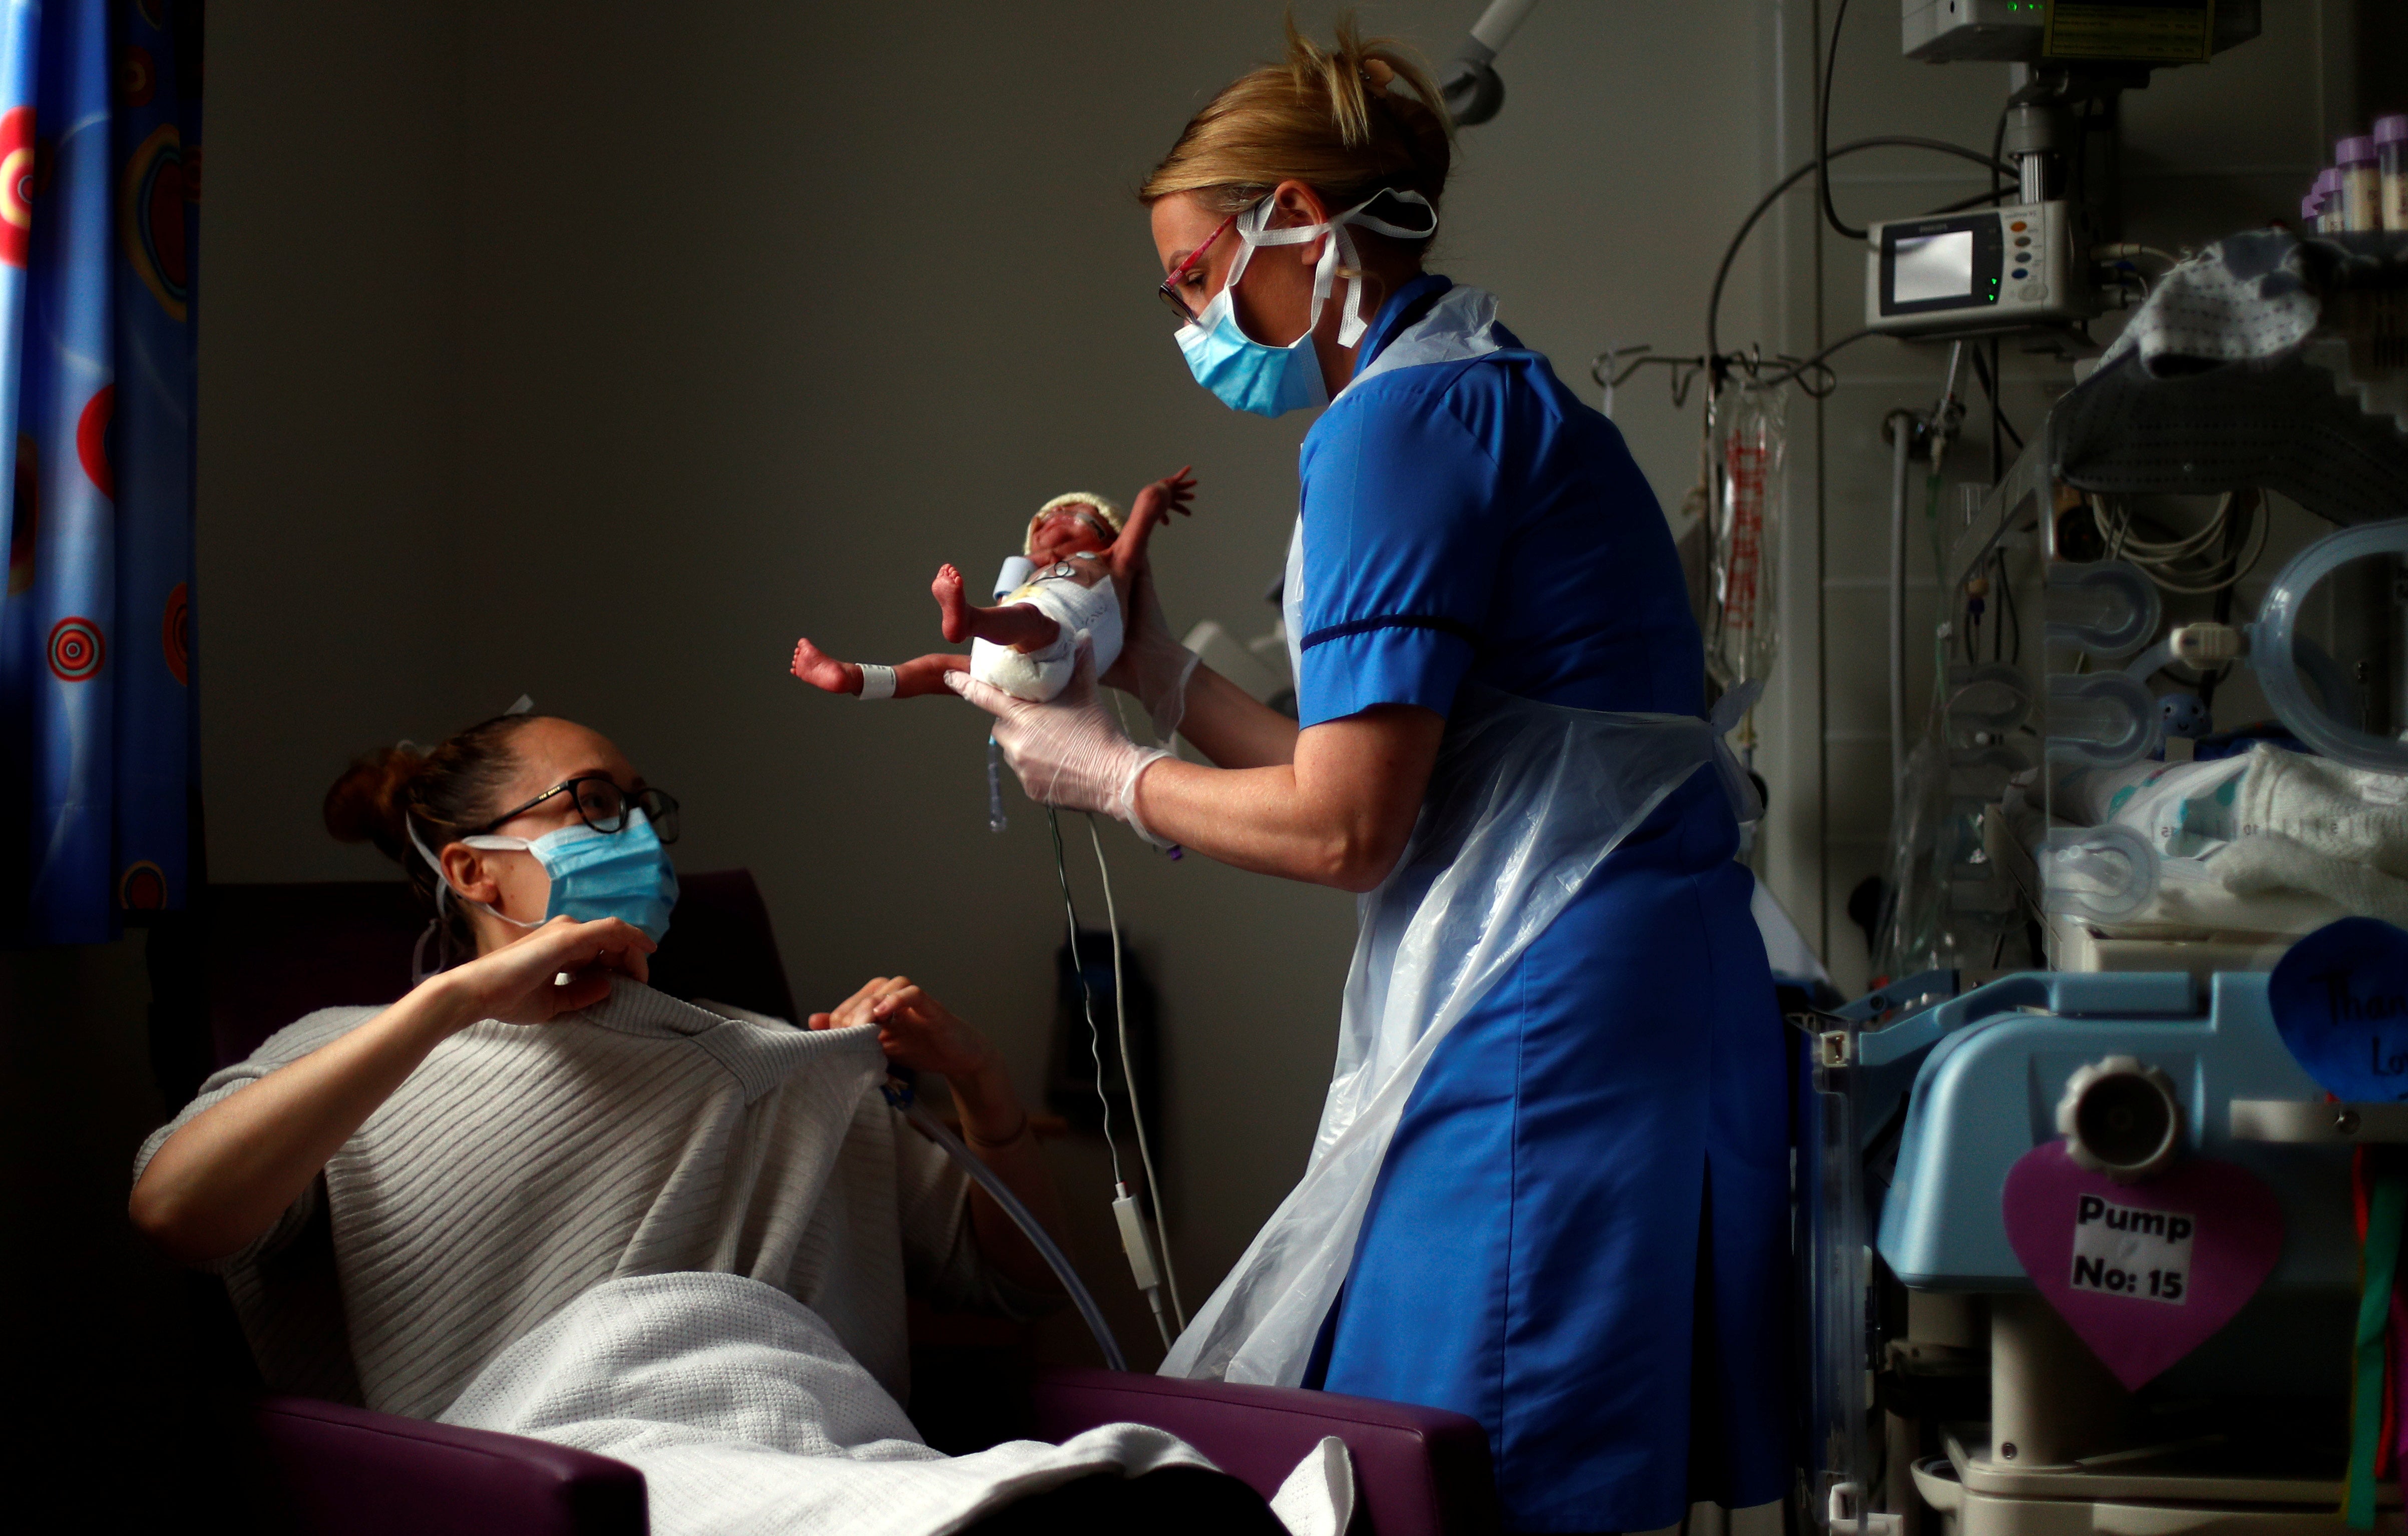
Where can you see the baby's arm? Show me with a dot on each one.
(1153, 505)
(913, 679)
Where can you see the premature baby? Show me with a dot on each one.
(1026, 644)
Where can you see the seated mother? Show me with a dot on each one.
(396, 1196)
(536, 1120)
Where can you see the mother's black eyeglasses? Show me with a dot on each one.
(602, 804)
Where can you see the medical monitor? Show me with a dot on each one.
(1964, 274)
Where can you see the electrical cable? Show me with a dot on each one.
(1997, 412)
(1823, 129)
(2015, 620)
(1764, 205)
(1998, 148)
(1137, 1111)
(2169, 550)
(1086, 993)
(2124, 249)
(2220, 610)
(1134, 1245)
(1979, 199)
(1998, 418)
(2162, 560)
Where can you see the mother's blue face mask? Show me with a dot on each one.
(625, 874)
(1245, 374)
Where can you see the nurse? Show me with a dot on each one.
(1550, 1186)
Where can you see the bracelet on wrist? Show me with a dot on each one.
(975, 1140)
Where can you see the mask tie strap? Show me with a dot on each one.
(1341, 249)
(1350, 328)
(436, 928)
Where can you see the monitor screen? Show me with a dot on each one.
(1933, 267)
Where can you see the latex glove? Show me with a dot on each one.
(1152, 665)
(1070, 752)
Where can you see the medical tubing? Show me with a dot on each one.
(1137, 1111)
(1038, 1236)
(2277, 652)
(1998, 418)
(1823, 127)
(1086, 995)
(1998, 412)
(1764, 205)
(996, 820)
(1902, 442)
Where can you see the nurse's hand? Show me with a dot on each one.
(1153, 664)
(1070, 752)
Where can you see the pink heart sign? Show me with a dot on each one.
(2145, 1273)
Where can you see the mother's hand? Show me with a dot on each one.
(914, 1030)
(523, 982)
(229, 1171)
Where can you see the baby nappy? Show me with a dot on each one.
(1038, 675)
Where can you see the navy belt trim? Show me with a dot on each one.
(1438, 622)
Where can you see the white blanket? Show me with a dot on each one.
(745, 1415)
(2274, 841)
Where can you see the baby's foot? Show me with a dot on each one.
(954, 607)
(821, 670)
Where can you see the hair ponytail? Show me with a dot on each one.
(441, 795)
(1335, 119)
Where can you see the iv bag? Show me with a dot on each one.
(1742, 610)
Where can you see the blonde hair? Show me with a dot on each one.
(1328, 117)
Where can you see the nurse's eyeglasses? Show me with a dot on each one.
(602, 804)
(1169, 289)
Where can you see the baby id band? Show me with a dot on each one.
(876, 681)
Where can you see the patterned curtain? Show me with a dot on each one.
(99, 178)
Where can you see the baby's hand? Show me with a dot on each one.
(1171, 493)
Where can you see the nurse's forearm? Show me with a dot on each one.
(1339, 814)
(227, 1175)
(1231, 726)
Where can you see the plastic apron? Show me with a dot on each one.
(1526, 800)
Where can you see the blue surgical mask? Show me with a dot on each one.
(624, 874)
(1245, 374)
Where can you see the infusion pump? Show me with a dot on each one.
(1964, 274)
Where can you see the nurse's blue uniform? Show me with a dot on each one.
(1584, 1212)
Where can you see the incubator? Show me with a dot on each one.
(2084, 1247)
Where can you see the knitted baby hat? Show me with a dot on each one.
(1106, 507)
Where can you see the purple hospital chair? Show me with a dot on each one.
(273, 953)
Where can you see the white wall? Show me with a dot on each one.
(596, 352)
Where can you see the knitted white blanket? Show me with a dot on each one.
(746, 1415)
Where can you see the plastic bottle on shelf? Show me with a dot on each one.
(2391, 167)
(2327, 197)
(2362, 183)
